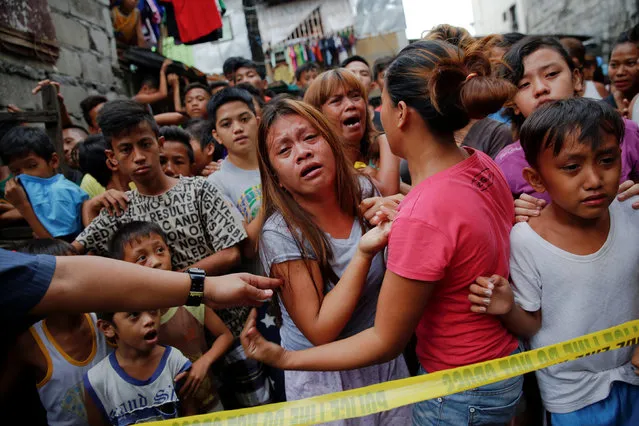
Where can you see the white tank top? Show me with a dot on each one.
(61, 391)
(591, 91)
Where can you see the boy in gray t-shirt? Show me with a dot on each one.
(574, 267)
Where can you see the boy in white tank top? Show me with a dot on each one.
(58, 351)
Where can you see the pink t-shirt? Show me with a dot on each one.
(450, 229)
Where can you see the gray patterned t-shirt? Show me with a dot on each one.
(194, 215)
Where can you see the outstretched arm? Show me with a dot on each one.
(94, 284)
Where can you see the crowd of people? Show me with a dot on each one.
(494, 181)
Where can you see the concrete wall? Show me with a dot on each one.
(87, 63)
(601, 19)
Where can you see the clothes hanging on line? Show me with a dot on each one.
(197, 21)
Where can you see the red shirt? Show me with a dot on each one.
(195, 18)
(450, 229)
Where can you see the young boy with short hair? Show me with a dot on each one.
(206, 150)
(91, 106)
(140, 381)
(51, 204)
(183, 327)
(305, 74)
(574, 267)
(196, 96)
(176, 157)
(203, 230)
(56, 352)
(246, 71)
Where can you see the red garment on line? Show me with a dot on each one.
(195, 18)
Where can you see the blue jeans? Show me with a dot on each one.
(620, 408)
(488, 405)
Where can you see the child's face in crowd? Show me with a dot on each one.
(249, 75)
(580, 180)
(174, 158)
(380, 79)
(133, 330)
(71, 137)
(346, 110)
(195, 102)
(623, 69)
(547, 77)
(362, 72)
(301, 158)
(307, 78)
(150, 251)
(137, 153)
(202, 156)
(236, 128)
(94, 128)
(34, 165)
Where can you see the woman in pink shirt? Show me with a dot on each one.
(451, 228)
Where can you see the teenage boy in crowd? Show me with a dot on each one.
(359, 66)
(207, 151)
(90, 107)
(235, 122)
(245, 71)
(305, 74)
(203, 231)
(176, 156)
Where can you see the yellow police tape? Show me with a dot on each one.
(397, 393)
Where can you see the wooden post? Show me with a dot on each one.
(54, 128)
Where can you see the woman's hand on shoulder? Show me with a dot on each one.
(627, 190)
(527, 206)
(379, 209)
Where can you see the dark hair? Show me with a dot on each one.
(120, 117)
(431, 76)
(246, 63)
(150, 80)
(230, 94)
(354, 58)
(512, 67)
(575, 49)
(196, 129)
(50, 246)
(229, 65)
(22, 140)
(380, 65)
(308, 66)
(88, 104)
(215, 84)
(197, 85)
(253, 91)
(131, 231)
(177, 134)
(509, 39)
(549, 126)
(73, 126)
(92, 159)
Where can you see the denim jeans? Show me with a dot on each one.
(619, 408)
(493, 404)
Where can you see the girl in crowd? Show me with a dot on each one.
(624, 73)
(453, 225)
(315, 240)
(342, 98)
(543, 72)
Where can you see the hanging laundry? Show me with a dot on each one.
(196, 19)
(293, 56)
(341, 51)
(221, 7)
(299, 55)
(171, 24)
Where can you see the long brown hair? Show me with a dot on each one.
(326, 84)
(276, 199)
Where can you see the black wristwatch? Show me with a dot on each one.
(197, 286)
